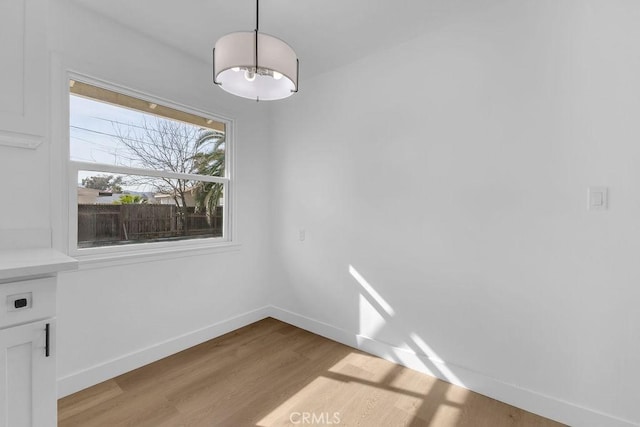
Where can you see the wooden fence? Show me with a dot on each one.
(112, 224)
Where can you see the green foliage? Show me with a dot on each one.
(103, 183)
(131, 199)
(209, 161)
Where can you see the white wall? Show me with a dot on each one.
(115, 317)
(451, 173)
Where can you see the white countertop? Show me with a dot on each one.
(18, 263)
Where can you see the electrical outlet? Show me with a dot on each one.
(19, 301)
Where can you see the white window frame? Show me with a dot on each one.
(146, 248)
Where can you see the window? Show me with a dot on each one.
(143, 172)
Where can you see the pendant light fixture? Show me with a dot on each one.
(255, 65)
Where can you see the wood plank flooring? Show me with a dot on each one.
(274, 374)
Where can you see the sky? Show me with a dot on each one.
(93, 126)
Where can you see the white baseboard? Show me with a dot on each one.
(128, 362)
(546, 406)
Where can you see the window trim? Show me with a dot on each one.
(147, 250)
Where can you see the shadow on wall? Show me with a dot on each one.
(376, 314)
(346, 387)
(358, 385)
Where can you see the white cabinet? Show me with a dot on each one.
(28, 368)
(23, 72)
(28, 281)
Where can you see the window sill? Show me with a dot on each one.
(94, 260)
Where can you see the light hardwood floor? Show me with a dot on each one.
(274, 374)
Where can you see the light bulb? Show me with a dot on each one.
(236, 69)
(250, 75)
(277, 75)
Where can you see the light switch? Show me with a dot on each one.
(598, 198)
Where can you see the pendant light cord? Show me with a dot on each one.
(257, 27)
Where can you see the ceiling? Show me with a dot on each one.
(324, 33)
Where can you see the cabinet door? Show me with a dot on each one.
(27, 376)
(23, 72)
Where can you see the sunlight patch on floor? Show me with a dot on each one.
(363, 367)
(457, 395)
(348, 389)
(410, 382)
(445, 416)
(310, 399)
